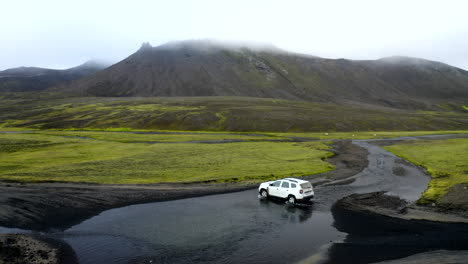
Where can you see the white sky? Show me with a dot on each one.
(62, 34)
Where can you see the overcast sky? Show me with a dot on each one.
(62, 34)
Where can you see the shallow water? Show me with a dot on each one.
(14, 132)
(231, 228)
(235, 227)
(228, 228)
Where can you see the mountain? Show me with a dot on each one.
(210, 68)
(24, 79)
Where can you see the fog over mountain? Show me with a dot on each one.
(212, 68)
(57, 34)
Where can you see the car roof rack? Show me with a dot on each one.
(290, 179)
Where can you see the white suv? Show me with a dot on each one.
(291, 189)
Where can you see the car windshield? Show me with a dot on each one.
(306, 185)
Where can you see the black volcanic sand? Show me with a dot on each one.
(45, 206)
(373, 235)
(433, 257)
(349, 159)
(21, 249)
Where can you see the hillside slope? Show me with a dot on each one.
(25, 79)
(214, 113)
(204, 68)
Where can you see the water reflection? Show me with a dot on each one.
(228, 228)
(292, 213)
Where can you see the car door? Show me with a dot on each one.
(273, 189)
(284, 189)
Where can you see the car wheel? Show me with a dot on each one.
(264, 193)
(291, 199)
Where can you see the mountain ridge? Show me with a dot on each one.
(207, 68)
(26, 79)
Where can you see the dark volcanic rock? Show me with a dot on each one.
(456, 198)
(21, 249)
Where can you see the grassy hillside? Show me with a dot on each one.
(46, 111)
(445, 160)
(35, 157)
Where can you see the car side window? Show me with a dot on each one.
(276, 184)
(285, 184)
(293, 185)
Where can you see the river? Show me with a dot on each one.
(236, 227)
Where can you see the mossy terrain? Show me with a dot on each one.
(364, 134)
(130, 136)
(155, 137)
(446, 160)
(47, 156)
(235, 114)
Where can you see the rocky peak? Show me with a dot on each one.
(145, 46)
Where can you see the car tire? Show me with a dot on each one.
(291, 199)
(264, 193)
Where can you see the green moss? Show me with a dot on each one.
(13, 145)
(364, 134)
(221, 121)
(217, 114)
(116, 136)
(50, 157)
(445, 160)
